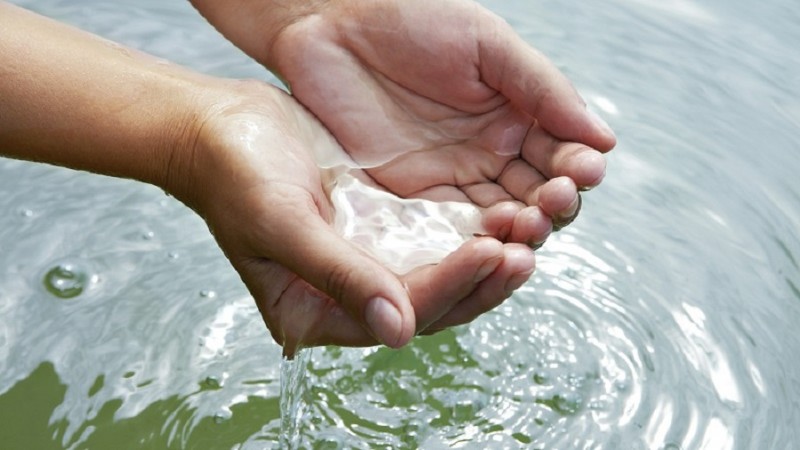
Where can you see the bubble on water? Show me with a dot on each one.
(207, 293)
(173, 255)
(148, 235)
(68, 280)
(222, 416)
(25, 212)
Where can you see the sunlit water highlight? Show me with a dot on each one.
(401, 233)
(664, 318)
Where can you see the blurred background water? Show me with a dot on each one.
(664, 318)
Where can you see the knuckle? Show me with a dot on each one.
(339, 278)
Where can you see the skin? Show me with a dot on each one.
(444, 90)
(239, 154)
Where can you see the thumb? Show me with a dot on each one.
(369, 292)
(533, 83)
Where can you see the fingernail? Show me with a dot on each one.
(536, 245)
(487, 268)
(573, 207)
(384, 320)
(569, 215)
(602, 124)
(516, 281)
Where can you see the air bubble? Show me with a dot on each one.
(67, 280)
(206, 293)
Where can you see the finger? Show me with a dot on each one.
(533, 83)
(517, 266)
(555, 158)
(568, 216)
(509, 223)
(557, 197)
(434, 290)
(531, 226)
(522, 181)
(297, 314)
(369, 292)
(499, 219)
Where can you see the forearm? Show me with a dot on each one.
(70, 98)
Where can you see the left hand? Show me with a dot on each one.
(252, 177)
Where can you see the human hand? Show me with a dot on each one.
(252, 176)
(239, 153)
(448, 92)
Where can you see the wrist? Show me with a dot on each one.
(217, 144)
(255, 25)
(186, 141)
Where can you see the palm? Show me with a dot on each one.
(263, 195)
(402, 108)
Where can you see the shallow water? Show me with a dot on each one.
(663, 318)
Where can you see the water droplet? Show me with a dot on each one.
(173, 255)
(206, 293)
(25, 212)
(67, 280)
(148, 235)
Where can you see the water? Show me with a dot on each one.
(663, 318)
(293, 405)
(403, 234)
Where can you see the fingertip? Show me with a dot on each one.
(531, 226)
(486, 247)
(386, 322)
(557, 196)
(490, 251)
(589, 169)
(605, 138)
(519, 259)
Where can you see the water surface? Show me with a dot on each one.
(664, 318)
